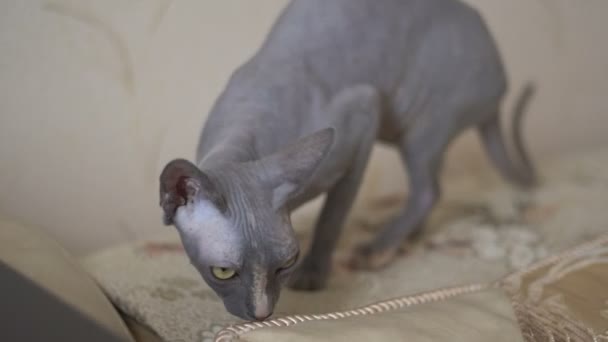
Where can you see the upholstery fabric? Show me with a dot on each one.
(560, 298)
(38, 257)
(481, 231)
(564, 298)
(475, 317)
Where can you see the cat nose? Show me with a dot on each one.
(261, 313)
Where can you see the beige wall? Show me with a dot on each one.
(95, 96)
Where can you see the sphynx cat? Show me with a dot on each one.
(299, 119)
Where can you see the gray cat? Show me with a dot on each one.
(299, 119)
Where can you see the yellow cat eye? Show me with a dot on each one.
(223, 273)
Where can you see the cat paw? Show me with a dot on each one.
(308, 278)
(369, 257)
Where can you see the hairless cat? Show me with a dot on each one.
(299, 119)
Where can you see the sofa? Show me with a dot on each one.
(494, 263)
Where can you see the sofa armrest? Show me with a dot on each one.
(40, 259)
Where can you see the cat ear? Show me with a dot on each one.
(181, 182)
(287, 170)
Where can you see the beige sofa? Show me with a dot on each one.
(494, 264)
(117, 88)
(37, 256)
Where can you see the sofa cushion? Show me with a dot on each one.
(564, 298)
(39, 258)
(561, 298)
(473, 317)
(481, 231)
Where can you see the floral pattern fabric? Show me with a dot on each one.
(480, 232)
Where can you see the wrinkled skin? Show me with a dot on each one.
(300, 118)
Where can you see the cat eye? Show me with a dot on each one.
(289, 262)
(223, 273)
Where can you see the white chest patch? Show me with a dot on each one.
(209, 234)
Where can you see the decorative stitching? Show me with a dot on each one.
(548, 320)
(513, 279)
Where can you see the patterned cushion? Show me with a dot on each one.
(561, 298)
(449, 320)
(480, 232)
(564, 298)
